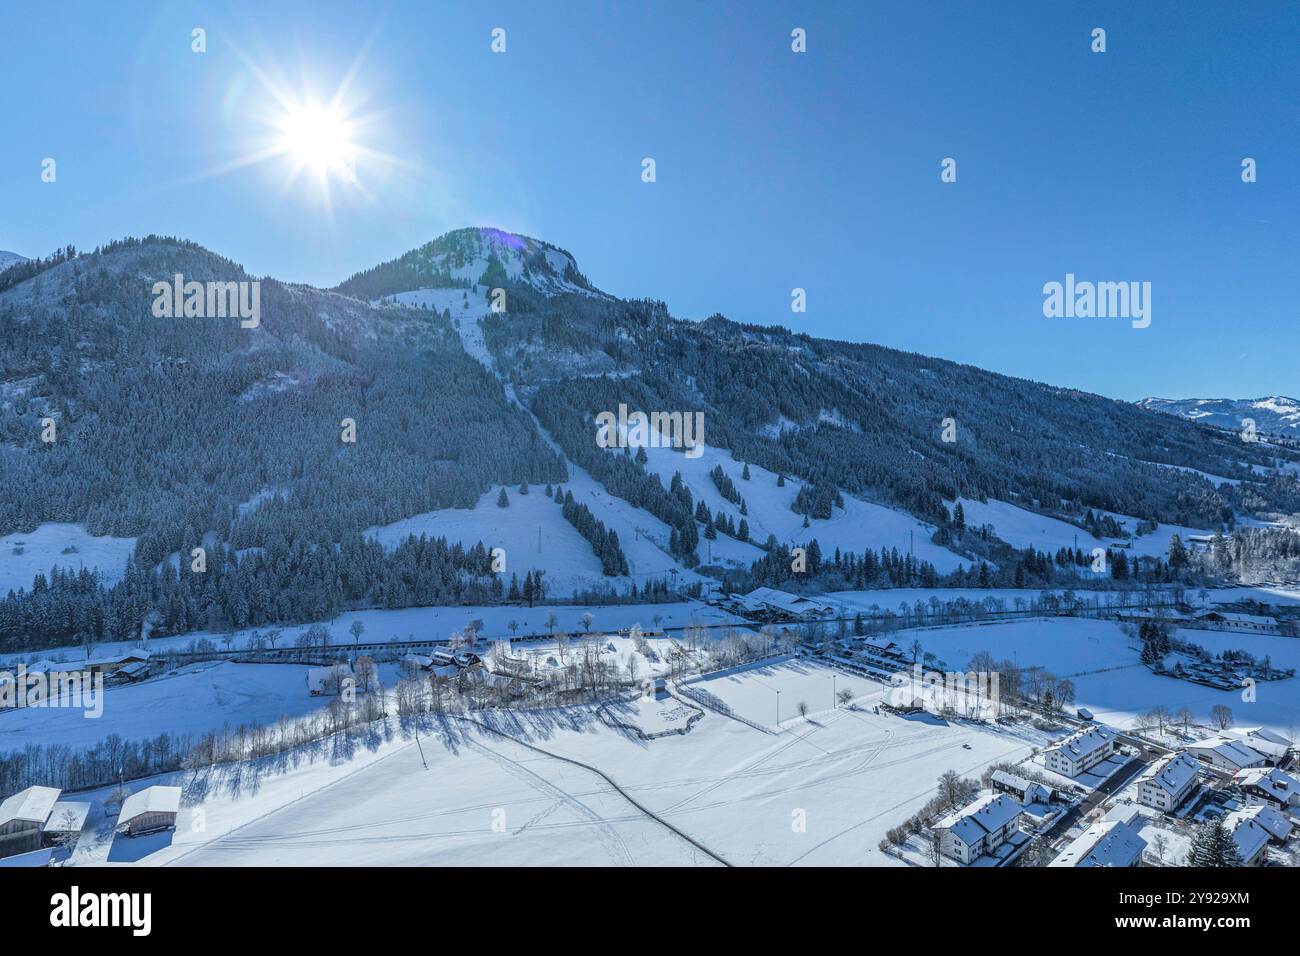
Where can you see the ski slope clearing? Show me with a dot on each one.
(822, 791)
(24, 555)
(532, 530)
(1021, 528)
(196, 699)
(858, 525)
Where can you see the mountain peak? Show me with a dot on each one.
(474, 255)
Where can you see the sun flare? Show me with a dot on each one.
(319, 138)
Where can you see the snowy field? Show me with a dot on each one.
(822, 791)
(757, 692)
(197, 699)
(1108, 678)
(50, 545)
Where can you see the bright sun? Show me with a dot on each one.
(319, 138)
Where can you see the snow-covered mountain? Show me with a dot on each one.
(1273, 415)
(466, 257)
(8, 259)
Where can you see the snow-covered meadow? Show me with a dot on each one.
(821, 790)
(68, 546)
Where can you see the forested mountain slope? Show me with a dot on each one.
(165, 424)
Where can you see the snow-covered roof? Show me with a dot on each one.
(784, 600)
(1236, 618)
(67, 816)
(1275, 823)
(1085, 742)
(985, 815)
(1282, 787)
(1173, 773)
(1249, 836)
(154, 799)
(1125, 812)
(113, 659)
(32, 805)
(1263, 740)
(1111, 843)
(1230, 750)
(879, 643)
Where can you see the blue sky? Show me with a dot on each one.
(775, 170)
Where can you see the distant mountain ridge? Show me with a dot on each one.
(1275, 415)
(8, 259)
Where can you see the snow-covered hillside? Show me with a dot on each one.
(66, 545)
(9, 258)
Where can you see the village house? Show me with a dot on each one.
(23, 817)
(979, 828)
(1026, 791)
(1226, 754)
(1251, 838)
(1268, 785)
(150, 810)
(1080, 751)
(1168, 782)
(1278, 825)
(1114, 841)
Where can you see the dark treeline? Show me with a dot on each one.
(276, 585)
(613, 562)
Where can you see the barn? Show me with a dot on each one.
(22, 818)
(149, 810)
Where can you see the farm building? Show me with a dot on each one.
(1271, 744)
(1226, 754)
(772, 600)
(109, 666)
(1226, 620)
(151, 809)
(66, 821)
(23, 817)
